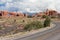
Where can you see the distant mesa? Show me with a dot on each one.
(16, 14)
(10, 14)
(47, 12)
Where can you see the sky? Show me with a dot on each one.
(29, 5)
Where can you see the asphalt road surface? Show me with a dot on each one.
(52, 34)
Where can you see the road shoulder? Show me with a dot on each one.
(24, 34)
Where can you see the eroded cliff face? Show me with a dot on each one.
(22, 15)
(10, 14)
(51, 12)
(47, 12)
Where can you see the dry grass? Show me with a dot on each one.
(12, 23)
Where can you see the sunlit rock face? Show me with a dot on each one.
(12, 14)
(40, 14)
(15, 14)
(3, 13)
(22, 15)
(51, 12)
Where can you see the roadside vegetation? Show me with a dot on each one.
(44, 16)
(47, 21)
(15, 25)
(33, 25)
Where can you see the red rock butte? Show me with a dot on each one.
(10, 14)
(15, 14)
(47, 12)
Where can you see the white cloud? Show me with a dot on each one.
(28, 9)
(9, 4)
(6, 0)
(32, 5)
(9, 0)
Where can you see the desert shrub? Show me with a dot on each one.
(47, 21)
(0, 17)
(33, 25)
(53, 16)
(29, 16)
(23, 20)
(38, 16)
(0, 28)
(59, 16)
(44, 16)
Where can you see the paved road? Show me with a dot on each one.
(52, 34)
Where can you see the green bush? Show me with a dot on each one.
(0, 28)
(29, 16)
(47, 21)
(33, 25)
(53, 16)
(44, 16)
(0, 17)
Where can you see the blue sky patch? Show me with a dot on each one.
(29, 5)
